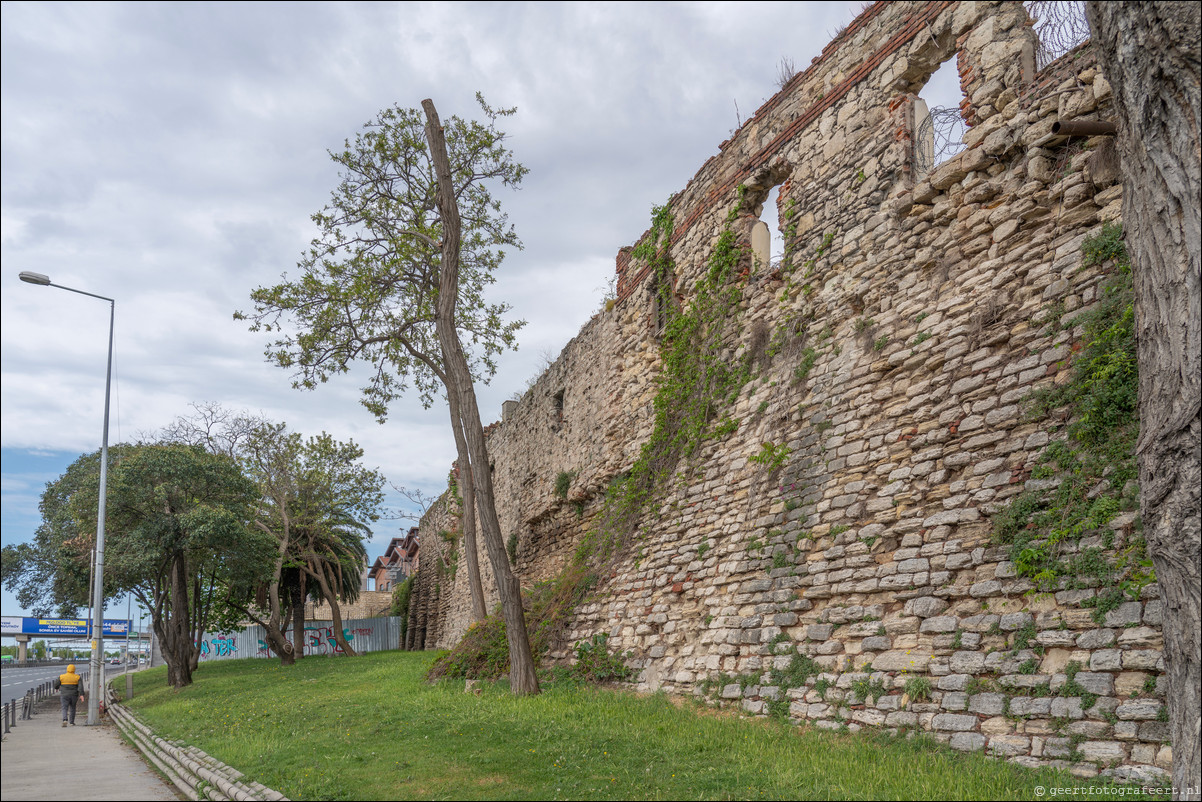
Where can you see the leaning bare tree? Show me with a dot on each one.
(408, 242)
(1150, 53)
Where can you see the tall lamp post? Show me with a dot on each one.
(96, 678)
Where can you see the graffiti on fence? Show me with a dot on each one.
(364, 635)
(218, 647)
(318, 640)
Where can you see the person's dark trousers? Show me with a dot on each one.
(69, 700)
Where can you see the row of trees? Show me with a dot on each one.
(221, 519)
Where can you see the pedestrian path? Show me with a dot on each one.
(41, 759)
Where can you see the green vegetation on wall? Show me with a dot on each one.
(1088, 476)
(700, 375)
(400, 602)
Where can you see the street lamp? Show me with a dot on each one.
(96, 679)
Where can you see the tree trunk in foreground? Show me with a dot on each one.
(298, 617)
(467, 490)
(1149, 52)
(523, 678)
(175, 631)
(273, 627)
(331, 598)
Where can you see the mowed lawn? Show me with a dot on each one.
(371, 728)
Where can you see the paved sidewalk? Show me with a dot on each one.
(41, 759)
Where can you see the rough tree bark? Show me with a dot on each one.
(522, 676)
(467, 490)
(273, 625)
(298, 617)
(327, 593)
(1149, 52)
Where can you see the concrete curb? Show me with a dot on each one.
(196, 774)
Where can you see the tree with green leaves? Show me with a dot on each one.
(177, 539)
(396, 278)
(49, 574)
(316, 500)
(183, 546)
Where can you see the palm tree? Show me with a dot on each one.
(331, 551)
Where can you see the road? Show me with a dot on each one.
(15, 681)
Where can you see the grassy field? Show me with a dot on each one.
(371, 728)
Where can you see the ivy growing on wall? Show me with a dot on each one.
(700, 376)
(1085, 478)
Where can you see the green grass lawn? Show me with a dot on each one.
(372, 728)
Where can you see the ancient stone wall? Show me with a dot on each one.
(844, 514)
(369, 604)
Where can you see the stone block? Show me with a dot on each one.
(1138, 710)
(1143, 660)
(980, 623)
(1140, 638)
(901, 718)
(1129, 682)
(819, 631)
(987, 704)
(1067, 708)
(953, 682)
(1009, 745)
(967, 741)
(1154, 731)
(1106, 660)
(1095, 639)
(1014, 621)
(1030, 706)
(914, 661)
(967, 663)
(1096, 682)
(942, 623)
(926, 606)
(980, 590)
(1104, 751)
(997, 725)
(869, 716)
(955, 700)
(1124, 614)
(953, 722)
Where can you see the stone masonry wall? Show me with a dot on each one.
(868, 550)
(369, 604)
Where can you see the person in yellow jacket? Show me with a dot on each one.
(70, 689)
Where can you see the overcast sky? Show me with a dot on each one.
(170, 156)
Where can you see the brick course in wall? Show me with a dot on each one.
(869, 549)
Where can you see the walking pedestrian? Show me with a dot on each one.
(70, 690)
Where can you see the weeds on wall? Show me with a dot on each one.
(563, 483)
(797, 673)
(400, 603)
(1090, 475)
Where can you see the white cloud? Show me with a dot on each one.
(169, 156)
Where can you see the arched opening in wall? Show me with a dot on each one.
(939, 124)
(762, 200)
(767, 241)
(1060, 26)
